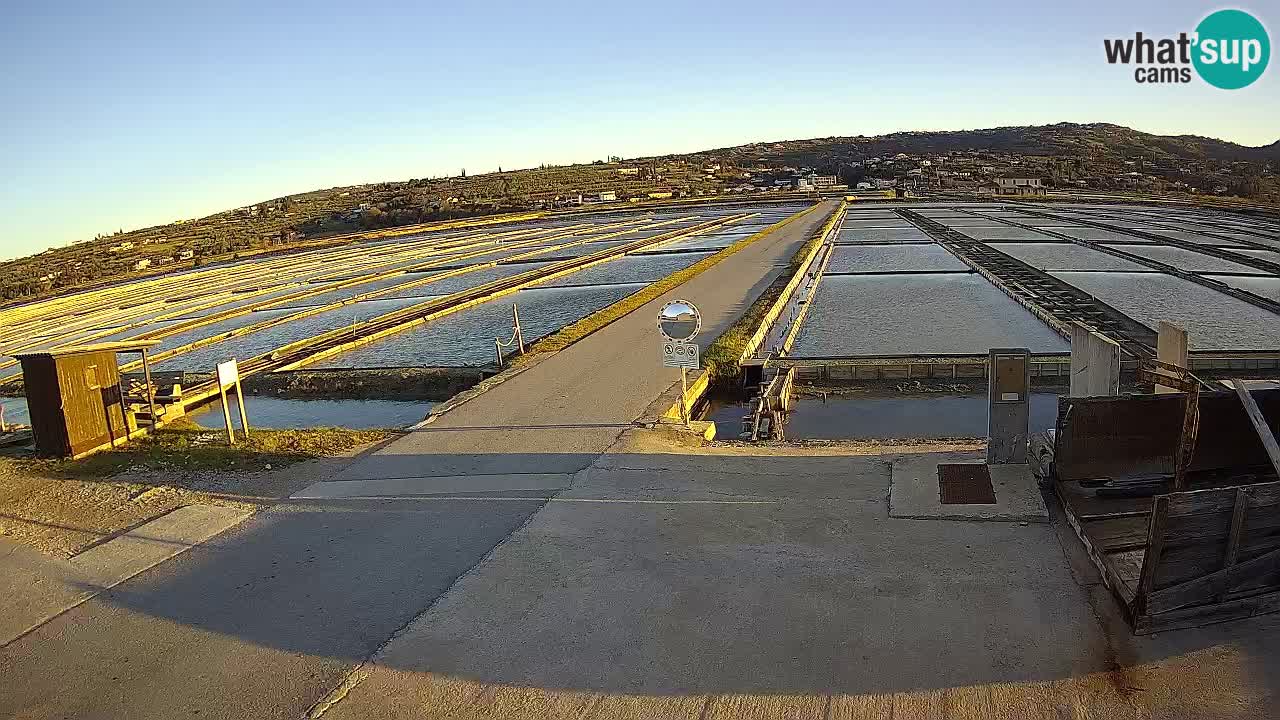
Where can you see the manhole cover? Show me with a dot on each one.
(965, 484)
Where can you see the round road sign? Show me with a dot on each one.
(679, 320)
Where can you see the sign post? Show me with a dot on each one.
(229, 378)
(678, 322)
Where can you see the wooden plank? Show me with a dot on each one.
(1237, 527)
(1127, 566)
(226, 415)
(1203, 589)
(1222, 499)
(1155, 547)
(1138, 435)
(1118, 533)
(1180, 563)
(244, 418)
(151, 390)
(1087, 506)
(1188, 561)
(1235, 609)
(1259, 424)
(1262, 582)
(1216, 527)
(1187, 440)
(1111, 577)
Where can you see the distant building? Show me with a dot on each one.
(608, 196)
(629, 171)
(1019, 186)
(142, 264)
(825, 182)
(660, 195)
(864, 185)
(186, 254)
(805, 184)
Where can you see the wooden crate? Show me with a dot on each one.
(1174, 559)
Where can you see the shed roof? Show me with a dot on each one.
(119, 346)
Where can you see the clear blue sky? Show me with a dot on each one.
(121, 115)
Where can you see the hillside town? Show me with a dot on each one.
(1069, 159)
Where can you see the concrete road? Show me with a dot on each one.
(268, 618)
(259, 622)
(560, 415)
(737, 584)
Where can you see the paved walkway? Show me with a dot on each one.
(734, 583)
(661, 583)
(557, 417)
(269, 617)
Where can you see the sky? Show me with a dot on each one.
(128, 114)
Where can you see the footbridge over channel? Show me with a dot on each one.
(529, 433)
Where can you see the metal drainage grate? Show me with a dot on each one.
(965, 484)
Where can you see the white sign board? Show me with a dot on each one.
(680, 355)
(228, 373)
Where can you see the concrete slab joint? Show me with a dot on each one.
(36, 588)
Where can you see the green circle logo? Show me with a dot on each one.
(1232, 49)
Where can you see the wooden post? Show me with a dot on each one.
(515, 314)
(1259, 424)
(1171, 347)
(684, 389)
(124, 419)
(1155, 548)
(226, 414)
(244, 418)
(151, 393)
(497, 345)
(1187, 440)
(1238, 514)
(228, 376)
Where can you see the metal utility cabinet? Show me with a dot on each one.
(1009, 398)
(76, 399)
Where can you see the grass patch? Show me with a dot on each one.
(187, 446)
(576, 331)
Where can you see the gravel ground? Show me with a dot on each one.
(62, 516)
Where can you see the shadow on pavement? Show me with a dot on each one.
(655, 574)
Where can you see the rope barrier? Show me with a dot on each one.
(517, 336)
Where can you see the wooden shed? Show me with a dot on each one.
(76, 399)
